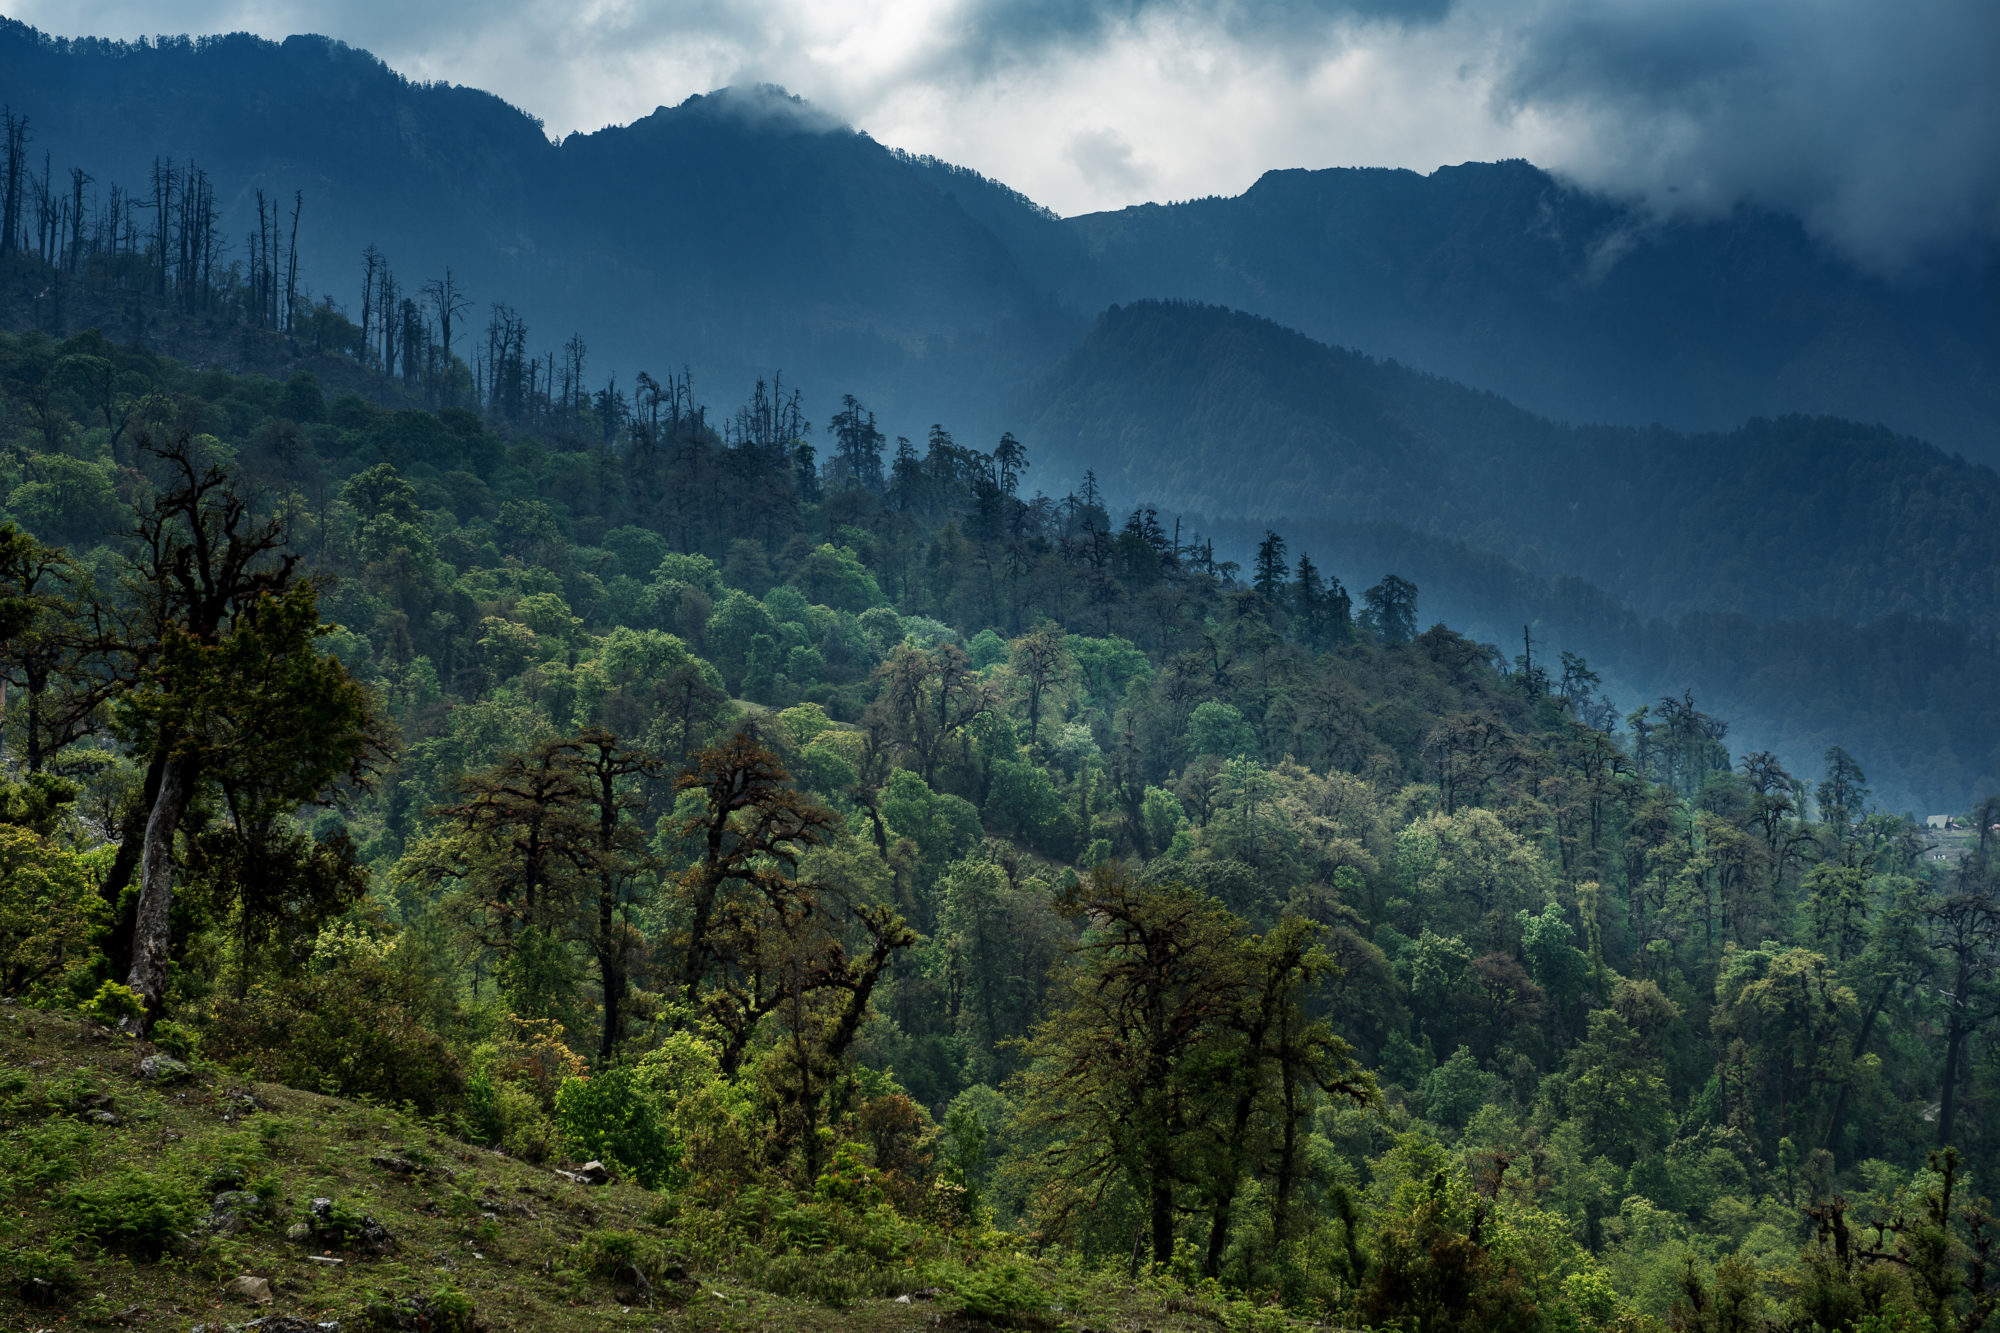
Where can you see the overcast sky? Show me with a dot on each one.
(1876, 120)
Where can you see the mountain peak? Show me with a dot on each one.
(764, 106)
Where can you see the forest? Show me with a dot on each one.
(875, 859)
(852, 842)
(1813, 604)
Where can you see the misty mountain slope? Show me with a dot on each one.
(784, 235)
(1054, 255)
(427, 170)
(1911, 698)
(1200, 408)
(935, 293)
(739, 233)
(1581, 307)
(1801, 576)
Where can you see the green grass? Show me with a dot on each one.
(100, 1218)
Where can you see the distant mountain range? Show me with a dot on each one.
(1815, 581)
(745, 231)
(1818, 575)
(1209, 410)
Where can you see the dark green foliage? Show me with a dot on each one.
(354, 1030)
(138, 1212)
(1434, 1272)
(606, 1117)
(43, 1278)
(1042, 874)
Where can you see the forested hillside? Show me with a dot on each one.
(730, 233)
(434, 234)
(932, 291)
(1799, 569)
(903, 873)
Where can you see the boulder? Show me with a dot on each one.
(231, 1212)
(363, 1234)
(162, 1069)
(590, 1173)
(256, 1290)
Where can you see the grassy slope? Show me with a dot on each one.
(520, 1242)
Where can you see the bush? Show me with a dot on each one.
(138, 1213)
(637, 1267)
(50, 916)
(1007, 1294)
(37, 1156)
(445, 1310)
(351, 1031)
(607, 1116)
(113, 1004)
(43, 1277)
(179, 1041)
(524, 1131)
(832, 1277)
(479, 1113)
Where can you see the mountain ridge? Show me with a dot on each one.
(1199, 407)
(934, 292)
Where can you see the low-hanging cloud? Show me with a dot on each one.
(1878, 124)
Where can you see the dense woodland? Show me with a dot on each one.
(1815, 604)
(840, 836)
(1821, 581)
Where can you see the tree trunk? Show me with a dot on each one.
(1225, 1196)
(1163, 1220)
(611, 963)
(153, 932)
(1218, 1229)
(1954, 1041)
(131, 841)
(1288, 1162)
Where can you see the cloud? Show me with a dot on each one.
(1106, 161)
(1879, 124)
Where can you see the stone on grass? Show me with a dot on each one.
(162, 1069)
(256, 1290)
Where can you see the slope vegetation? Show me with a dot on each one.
(1790, 571)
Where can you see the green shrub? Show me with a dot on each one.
(627, 1260)
(50, 917)
(36, 1156)
(608, 1252)
(1005, 1294)
(524, 1132)
(138, 1213)
(445, 1310)
(353, 1030)
(607, 1116)
(42, 1277)
(177, 1040)
(479, 1115)
(113, 1004)
(831, 1277)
